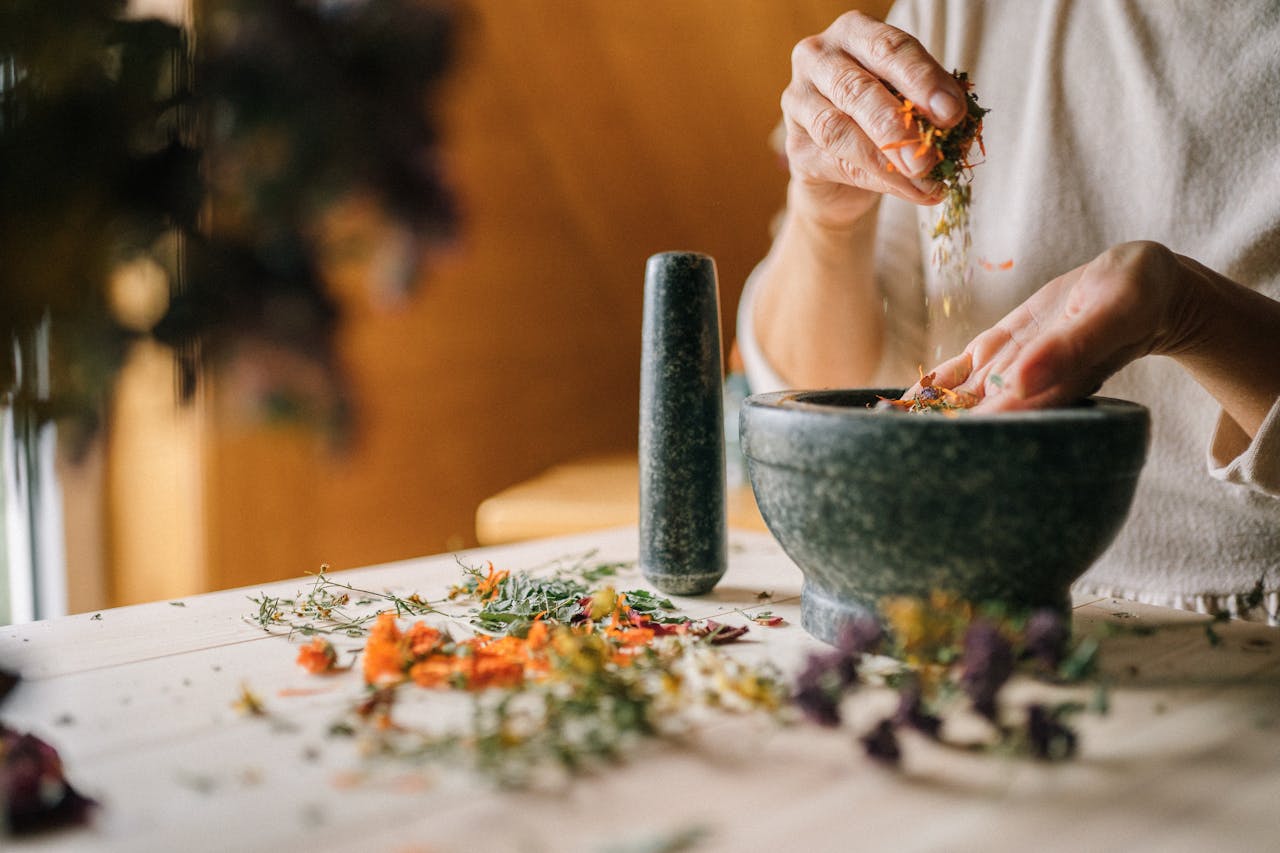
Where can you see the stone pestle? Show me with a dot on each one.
(683, 542)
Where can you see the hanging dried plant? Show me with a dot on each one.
(159, 183)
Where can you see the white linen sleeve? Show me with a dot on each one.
(761, 376)
(1234, 458)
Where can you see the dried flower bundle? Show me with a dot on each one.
(949, 649)
(156, 184)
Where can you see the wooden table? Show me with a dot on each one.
(590, 493)
(139, 702)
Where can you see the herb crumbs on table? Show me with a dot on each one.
(566, 672)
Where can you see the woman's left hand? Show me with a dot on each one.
(1077, 330)
(1134, 299)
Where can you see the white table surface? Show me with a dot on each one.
(139, 704)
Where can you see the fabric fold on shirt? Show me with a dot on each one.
(1234, 458)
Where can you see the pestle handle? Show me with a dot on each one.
(683, 540)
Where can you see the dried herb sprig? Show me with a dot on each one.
(510, 603)
(333, 607)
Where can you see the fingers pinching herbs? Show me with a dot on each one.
(843, 96)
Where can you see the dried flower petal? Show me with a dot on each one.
(318, 656)
(863, 635)
(34, 792)
(985, 666)
(8, 681)
(718, 634)
(881, 743)
(1045, 638)
(911, 711)
(823, 682)
(384, 659)
(1048, 738)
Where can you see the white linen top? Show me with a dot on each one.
(1112, 121)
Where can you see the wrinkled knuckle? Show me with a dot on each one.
(852, 174)
(887, 46)
(848, 20)
(829, 128)
(852, 86)
(1151, 255)
(805, 52)
(789, 101)
(804, 161)
(917, 76)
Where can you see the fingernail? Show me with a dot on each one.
(910, 165)
(944, 105)
(929, 188)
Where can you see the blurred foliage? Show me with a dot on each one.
(164, 183)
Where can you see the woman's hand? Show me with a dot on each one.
(840, 116)
(1075, 331)
(1133, 300)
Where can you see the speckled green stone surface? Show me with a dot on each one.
(1010, 507)
(683, 541)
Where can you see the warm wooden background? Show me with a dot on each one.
(584, 135)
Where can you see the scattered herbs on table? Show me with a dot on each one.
(249, 703)
(564, 671)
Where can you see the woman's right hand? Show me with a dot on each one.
(840, 116)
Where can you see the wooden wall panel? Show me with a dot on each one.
(584, 135)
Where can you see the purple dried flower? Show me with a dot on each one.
(911, 712)
(8, 681)
(861, 636)
(881, 743)
(34, 794)
(1048, 737)
(985, 666)
(818, 705)
(1045, 638)
(823, 682)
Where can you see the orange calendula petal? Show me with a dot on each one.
(318, 656)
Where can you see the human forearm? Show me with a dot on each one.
(818, 316)
(817, 312)
(1233, 350)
